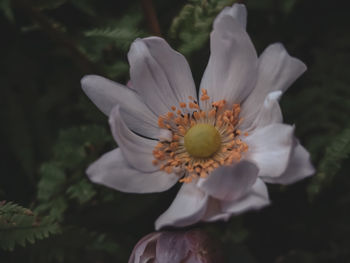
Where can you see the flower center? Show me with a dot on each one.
(202, 140)
(196, 140)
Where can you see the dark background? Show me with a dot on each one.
(50, 131)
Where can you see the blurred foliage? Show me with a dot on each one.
(51, 132)
(193, 24)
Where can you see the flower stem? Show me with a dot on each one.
(151, 17)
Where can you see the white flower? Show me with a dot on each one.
(223, 145)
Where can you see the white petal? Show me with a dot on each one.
(165, 135)
(187, 208)
(237, 11)
(214, 211)
(256, 198)
(269, 113)
(106, 94)
(232, 65)
(230, 182)
(136, 149)
(277, 70)
(159, 74)
(270, 148)
(299, 167)
(113, 171)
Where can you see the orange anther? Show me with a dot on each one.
(173, 108)
(168, 169)
(205, 97)
(182, 130)
(174, 145)
(178, 120)
(193, 105)
(203, 174)
(196, 115)
(161, 122)
(212, 113)
(170, 114)
(182, 104)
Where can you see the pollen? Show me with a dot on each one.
(201, 139)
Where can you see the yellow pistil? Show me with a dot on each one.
(202, 140)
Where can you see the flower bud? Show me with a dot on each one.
(192, 246)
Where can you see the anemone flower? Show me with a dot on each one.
(222, 145)
(193, 246)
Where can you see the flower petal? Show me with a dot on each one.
(113, 171)
(172, 247)
(277, 70)
(237, 11)
(106, 94)
(269, 113)
(136, 149)
(270, 148)
(232, 65)
(159, 74)
(149, 253)
(256, 198)
(144, 248)
(230, 182)
(187, 208)
(299, 167)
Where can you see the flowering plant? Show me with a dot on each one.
(222, 144)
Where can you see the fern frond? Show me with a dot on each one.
(331, 163)
(193, 24)
(82, 191)
(19, 225)
(63, 178)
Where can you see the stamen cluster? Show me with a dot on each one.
(171, 154)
